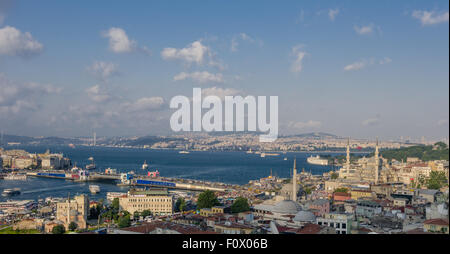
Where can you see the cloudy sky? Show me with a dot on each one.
(351, 68)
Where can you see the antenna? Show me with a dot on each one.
(95, 138)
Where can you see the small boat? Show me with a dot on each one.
(92, 165)
(145, 165)
(15, 177)
(263, 155)
(94, 189)
(11, 192)
(249, 151)
(285, 159)
(183, 152)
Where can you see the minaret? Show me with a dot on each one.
(377, 163)
(347, 164)
(294, 182)
(68, 209)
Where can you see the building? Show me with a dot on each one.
(436, 226)
(361, 194)
(158, 201)
(368, 209)
(75, 210)
(321, 206)
(228, 227)
(341, 222)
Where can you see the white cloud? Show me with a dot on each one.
(196, 52)
(15, 97)
(97, 95)
(332, 13)
(15, 43)
(355, 66)
(243, 37)
(145, 103)
(299, 54)
(372, 121)
(103, 70)
(220, 92)
(364, 30)
(311, 124)
(201, 77)
(430, 17)
(120, 43)
(385, 60)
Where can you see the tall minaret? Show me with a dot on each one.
(377, 163)
(347, 164)
(68, 209)
(294, 181)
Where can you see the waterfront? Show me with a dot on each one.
(227, 167)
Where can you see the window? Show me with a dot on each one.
(344, 225)
(332, 224)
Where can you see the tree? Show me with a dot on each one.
(345, 190)
(436, 180)
(58, 229)
(334, 175)
(124, 221)
(180, 205)
(115, 204)
(207, 199)
(146, 213)
(240, 205)
(73, 226)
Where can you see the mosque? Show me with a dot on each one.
(375, 170)
(284, 208)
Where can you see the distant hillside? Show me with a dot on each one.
(38, 140)
(438, 151)
(315, 135)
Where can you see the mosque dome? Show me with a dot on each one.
(305, 216)
(286, 207)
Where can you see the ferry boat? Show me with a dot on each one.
(249, 151)
(269, 154)
(285, 159)
(316, 160)
(183, 152)
(145, 165)
(94, 189)
(15, 177)
(92, 165)
(11, 192)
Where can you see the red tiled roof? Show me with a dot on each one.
(309, 229)
(440, 222)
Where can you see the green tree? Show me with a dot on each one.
(146, 213)
(58, 229)
(207, 199)
(240, 205)
(115, 204)
(436, 180)
(334, 175)
(345, 190)
(124, 221)
(73, 226)
(180, 205)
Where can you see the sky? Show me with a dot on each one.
(352, 68)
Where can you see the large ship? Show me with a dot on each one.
(316, 160)
(94, 189)
(183, 152)
(11, 192)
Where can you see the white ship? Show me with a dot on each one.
(249, 151)
(269, 154)
(92, 165)
(145, 165)
(15, 177)
(94, 189)
(183, 152)
(316, 160)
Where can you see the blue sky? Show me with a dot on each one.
(352, 68)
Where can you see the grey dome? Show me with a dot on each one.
(305, 216)
(286, 207)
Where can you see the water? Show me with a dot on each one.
(228, 167)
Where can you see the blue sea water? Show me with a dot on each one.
(229, 167)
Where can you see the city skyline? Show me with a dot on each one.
(340, 66)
